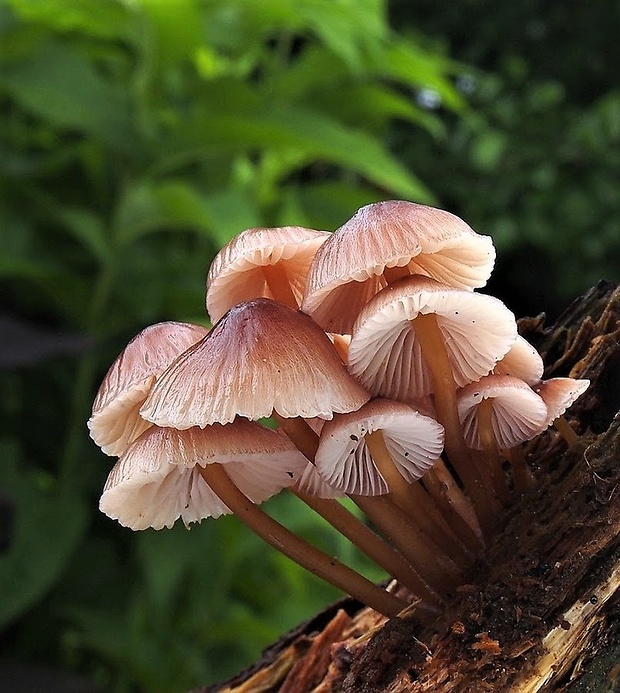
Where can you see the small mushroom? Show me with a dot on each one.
(358, 451)
(383, 242)
(157, 480)
(386, 446)
(115, 421)
(262, 262)
(261, 357)
(559, 394)
(500, 412)
(389, 353)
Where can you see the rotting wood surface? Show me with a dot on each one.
(540, 611)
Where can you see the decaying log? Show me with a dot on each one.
(540, 610)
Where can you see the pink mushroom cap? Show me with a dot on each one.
(261, 357)
(385, 355)
(236, 272)
(157, 480)
(414, 441)
(115, 421)
(348, 268)
(517, 414)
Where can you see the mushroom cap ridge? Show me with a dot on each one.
(157, 480)
(347, 269)
(260, 357)
(115, 421)
(235, 273)
(385, 356)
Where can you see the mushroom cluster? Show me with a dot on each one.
(391, 380)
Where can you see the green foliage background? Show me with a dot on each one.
(136, 138)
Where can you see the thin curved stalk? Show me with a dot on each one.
(279, 285)
(304, 554)
(477, 483)
(434, 524)
(411, 499)
(456, 506)
(564, 429)
(371, 544)
(375, 442)
(437, 571)
(522, 476)
(491, 451)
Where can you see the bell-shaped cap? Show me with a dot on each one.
(236, 273)
(348, 269)
(115, 421)
(260, 357)
(517, 412)
(559, 394)
(522, 361)
(414, 441)
(158, 480)
(385, 354)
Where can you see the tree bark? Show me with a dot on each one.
(539, 611)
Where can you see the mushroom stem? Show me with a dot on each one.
(394, 524)
(565, 430)
(491, 452)
(279, 285)
(522, 476)
(393, 274)
(300, 434)
(298, 550)
(412, 499)
(375, 442)
(372, 545)
(457, 508)
(477, 483)
(341, 345)
(437, 527)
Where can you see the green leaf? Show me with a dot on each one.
(317, 205)
(374, 107)
(488, 150)
(352, 29)
(232, 211)
(87, 228)
(314, 134)
(179, 33)
(12, 267)
(176, 205)
(409, 64)
(67, 294)
(49, 524)
(59, 85)
(106, 19)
